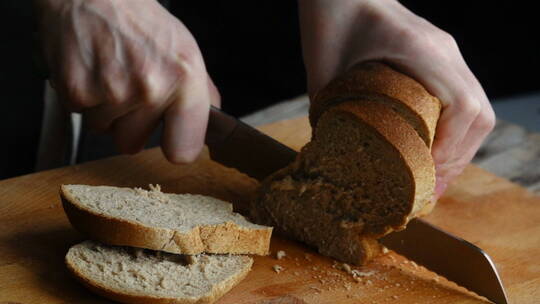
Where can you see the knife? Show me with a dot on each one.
(238, 145)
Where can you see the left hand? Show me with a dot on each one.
(336, 35)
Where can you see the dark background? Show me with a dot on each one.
(252, 51)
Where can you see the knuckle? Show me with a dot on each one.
(188, 64)
(410, 35)
(446, 39)
(153, 93)
(469, 107)
(486, 120)
(113, 93)
(77, 97)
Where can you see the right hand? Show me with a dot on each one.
(127, 65)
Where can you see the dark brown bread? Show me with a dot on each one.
(375, 81)
(365, 173)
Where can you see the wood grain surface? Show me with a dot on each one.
(493, 213)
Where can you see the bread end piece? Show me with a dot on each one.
(376, 81)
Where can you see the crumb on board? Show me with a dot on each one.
(318, 290)
(280, 254)
(385, 250)
(277, 268)
(346, 267)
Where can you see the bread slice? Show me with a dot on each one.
(365, 173)
(175, 223)
(130, 275)
(376, 81)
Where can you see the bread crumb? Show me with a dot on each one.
(358, 273)
(277, 268)
(296, 273)
(384, 250)
(280, 254)
(318, 290)
(394, 297)
(369, 282)
(346, 267)
(414, 264)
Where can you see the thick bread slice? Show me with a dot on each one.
(176, 223)
(129, 276)
(378, 82)
(365, 173)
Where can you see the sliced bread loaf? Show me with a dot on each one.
(131, 275)
(176, 223)
(376, 81)
(365, 173)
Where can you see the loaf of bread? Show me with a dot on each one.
(131, 275)
(366, 172)
(175, 223)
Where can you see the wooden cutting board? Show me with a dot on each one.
(491, 212)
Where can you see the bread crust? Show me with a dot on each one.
(416, 155)
(217, 292)
(222, 239)
(377, 81)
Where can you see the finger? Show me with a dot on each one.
(460, 97)
(215, 97)
(74, 81)
(472, 141)
(185, 121)
(132, 131)
(452, 127)
(101, 117)
(440, 187)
